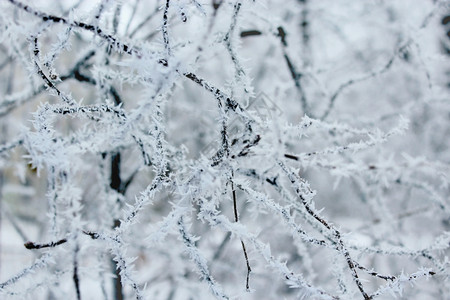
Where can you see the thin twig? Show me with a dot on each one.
(236, 219)
(47, 81)
(164, 30)
(76, 279)
(32, 246)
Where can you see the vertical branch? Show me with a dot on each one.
(165, 31)
(76, 279)
(52, 197)
(236, 219)
(115, 184)
(305, 27)
(117, 17)
(228, 36)
(224, 133)
(295, 75)
(116, 181)
(225, 152)
(117, 281)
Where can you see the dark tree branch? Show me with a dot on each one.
(236, 219)
(94, 29)
(116, 184)
(76, 279)
(164, 30)
(250, 33)
(33, 246)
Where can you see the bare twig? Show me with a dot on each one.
(31, 245)
(165, 32)
(236, 219)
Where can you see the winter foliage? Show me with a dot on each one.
(229, 149)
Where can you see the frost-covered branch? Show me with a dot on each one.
(171, 149)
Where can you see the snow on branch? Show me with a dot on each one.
(179, 149)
